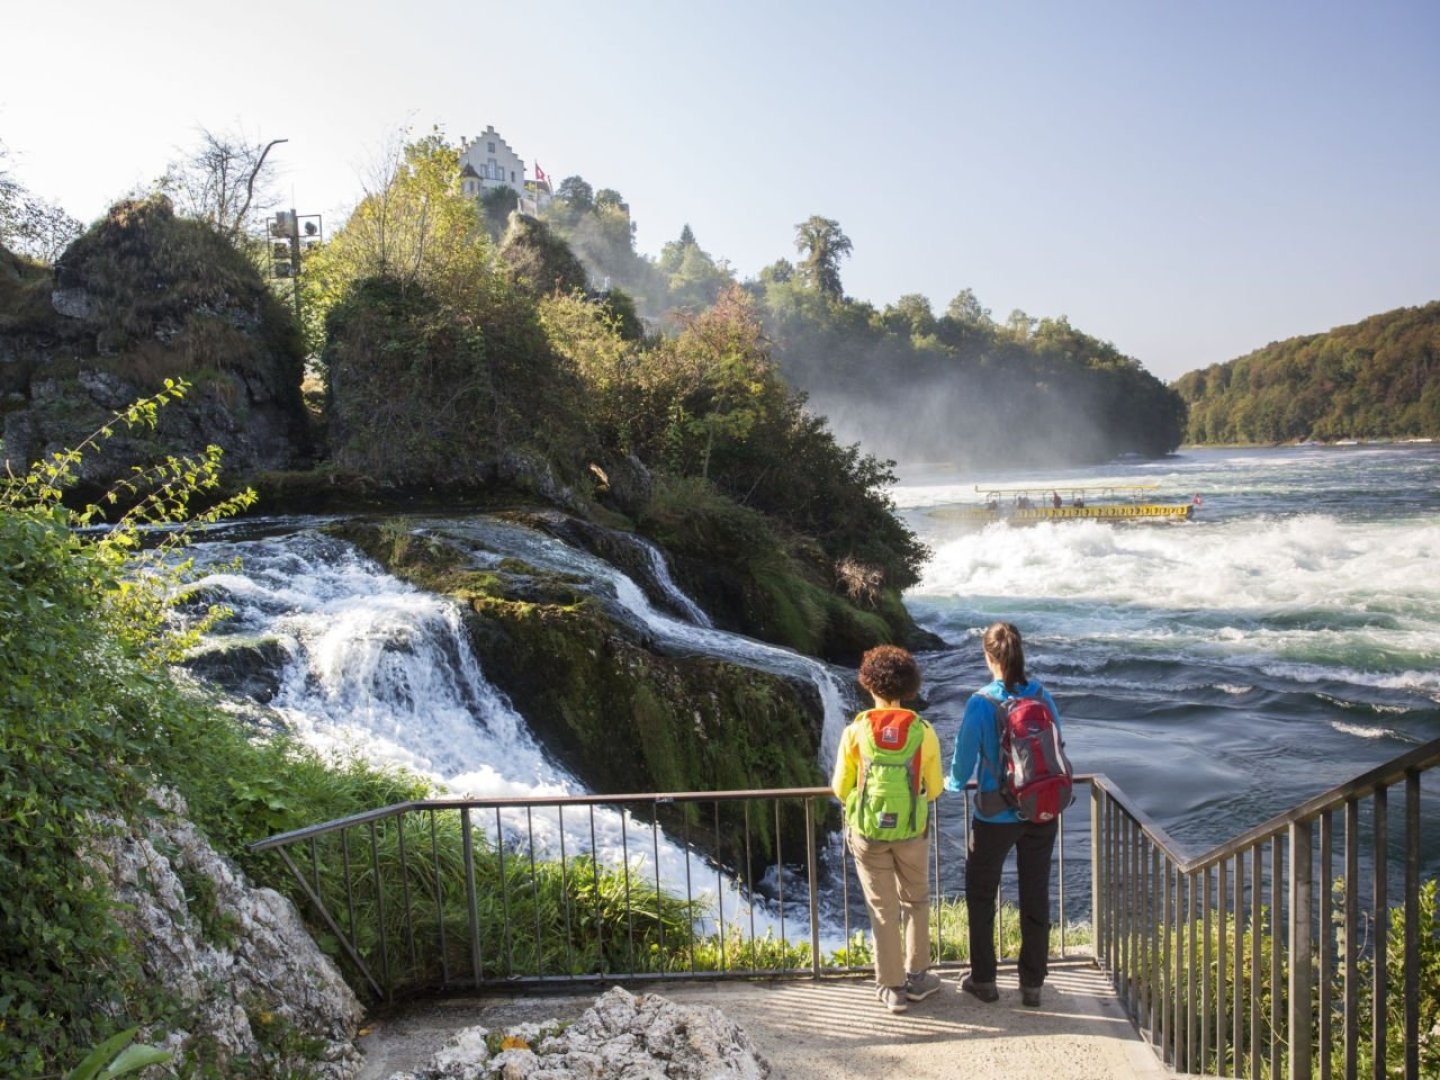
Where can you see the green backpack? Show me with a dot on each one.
(886, 803)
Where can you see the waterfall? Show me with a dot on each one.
(660, 571)
(490, 539)
(383, 671)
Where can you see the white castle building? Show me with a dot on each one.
(487, 163)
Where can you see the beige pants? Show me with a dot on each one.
(895, 876)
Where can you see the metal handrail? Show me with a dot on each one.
(1388, 774)
(1181, 934)
(458, 802)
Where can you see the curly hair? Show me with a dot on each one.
(890, 672)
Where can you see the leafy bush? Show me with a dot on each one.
(84, 700)
(91, 718)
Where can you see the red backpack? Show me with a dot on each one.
(1036, 778)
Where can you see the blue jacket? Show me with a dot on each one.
(978, 742)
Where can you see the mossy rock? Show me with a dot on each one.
(621, 715)
(141, 297)
(248, 667)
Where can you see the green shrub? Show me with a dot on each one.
(91, 718)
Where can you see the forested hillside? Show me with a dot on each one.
(903, 381)
(1379, 378)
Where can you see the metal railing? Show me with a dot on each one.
(1260, 957)
(460, 893)
(1234, 962)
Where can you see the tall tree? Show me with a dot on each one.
(30, 225)
(226, 180)
(579, 194)
(413, 226)
(823, 245)
(967, 309)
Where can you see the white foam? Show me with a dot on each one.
(384, 673)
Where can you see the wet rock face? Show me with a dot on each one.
(239, 961)
(621, 1037)
(249, 668)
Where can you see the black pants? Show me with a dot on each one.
(990, 842)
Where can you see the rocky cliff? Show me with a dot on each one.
(237, 961)
(143, 297)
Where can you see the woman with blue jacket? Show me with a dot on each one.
(995, 828)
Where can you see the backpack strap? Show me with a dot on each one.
(999, 708)
(915, 777)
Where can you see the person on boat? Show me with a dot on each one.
(1055, 499)
(1023, 502)
(1078, 502)
(995, 828)
(887, 773)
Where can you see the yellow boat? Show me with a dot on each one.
(1097, 502)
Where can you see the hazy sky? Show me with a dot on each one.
(1187, 180)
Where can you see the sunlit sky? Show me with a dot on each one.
(1186, 180)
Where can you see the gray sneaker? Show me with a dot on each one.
(893, 998)
(920, 986)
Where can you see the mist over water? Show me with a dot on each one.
(1220, 670)
(948, 420)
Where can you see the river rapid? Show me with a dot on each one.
(1222, 669)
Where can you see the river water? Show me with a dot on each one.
(1222, 669)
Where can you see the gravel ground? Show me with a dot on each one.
(835, 1028)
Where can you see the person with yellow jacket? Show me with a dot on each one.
(887, 773)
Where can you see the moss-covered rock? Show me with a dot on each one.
(620, 714)
(756, 579)
(141, 297)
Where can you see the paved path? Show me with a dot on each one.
(835, 1028)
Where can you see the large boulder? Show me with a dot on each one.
(236, 959)
(145, 296)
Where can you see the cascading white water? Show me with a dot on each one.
(488, 536)
(660, 571)
(383, 671)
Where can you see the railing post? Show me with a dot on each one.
(467, 842)
(1097, 871)
(1301, 976)
(1412, 923)
(1380, 989)
(812, 868)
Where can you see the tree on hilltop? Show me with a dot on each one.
(29, 224)
(579, 194)
(227, 181)
(967, 310)
(823, 245)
